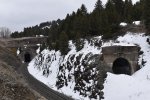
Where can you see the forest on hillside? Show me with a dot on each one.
(103, 20)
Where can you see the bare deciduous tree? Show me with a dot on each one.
(5, 32)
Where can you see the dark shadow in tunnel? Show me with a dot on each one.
(121, 66)
(27, 57)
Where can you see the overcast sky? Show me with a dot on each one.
(17, 14)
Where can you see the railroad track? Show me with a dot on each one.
(41, 88)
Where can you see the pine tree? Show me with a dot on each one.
(128, 11)
(96, 19)
(78, 42)
(119, 6)
(147, 15)
(63, 43)
(105, 26)
(80, 23)
(142, 8)
(112, 16)
(98, 7)
(83, 10)
(137, 13)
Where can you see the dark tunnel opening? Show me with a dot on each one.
(121, 66)
(27, 57)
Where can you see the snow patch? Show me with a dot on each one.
(114, 43)
(123, 24)
(38, 44)
(18, 51)
(38, 50)
(136, 22)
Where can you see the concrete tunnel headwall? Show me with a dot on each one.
(27, 46)
(121, 59)
(27, 54)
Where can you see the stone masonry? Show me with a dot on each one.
(130, 53)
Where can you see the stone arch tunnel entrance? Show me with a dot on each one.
(121, 59)
(27, 57)
(121, 66)
(27, 54)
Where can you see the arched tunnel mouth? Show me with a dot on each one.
(27, 57)
(121, 66)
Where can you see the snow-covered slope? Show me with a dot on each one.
(61, 72)
(49, 66)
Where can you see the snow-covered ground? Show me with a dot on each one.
(116, 87)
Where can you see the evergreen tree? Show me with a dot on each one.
(112, 16)
(119, 6)
(83, 10)
(63, 43)
(137, 13)
(98, 7)
(141, 7)
(78, 42)
(105, 26)
(96, 19)
(80, 23)
(128, 11)
(147, 15)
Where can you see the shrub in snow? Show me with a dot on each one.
(148, 41)
(88, 80)
(79, 43)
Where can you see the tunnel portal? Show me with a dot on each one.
(120, 59)
(121, 66)
(27, 57)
